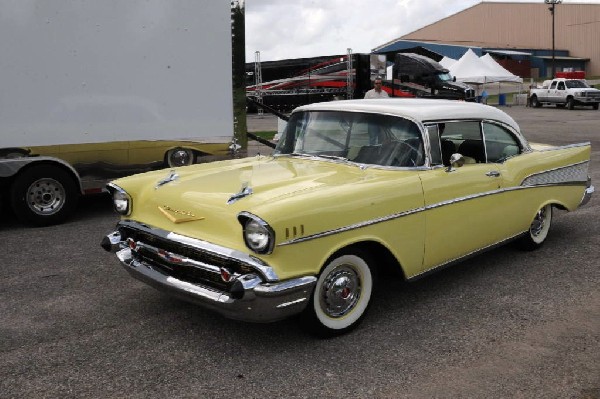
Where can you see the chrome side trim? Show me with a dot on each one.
(422, 209)
(351, 227)
(464, 257)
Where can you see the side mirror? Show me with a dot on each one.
(456, 161)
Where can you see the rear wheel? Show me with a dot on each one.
(43, 195)
(538, 231)
(535, 102)
(342, 294)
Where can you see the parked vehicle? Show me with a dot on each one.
(92, 91)
(353, 187)
(424, 77)
(565, 92)
(292, 83)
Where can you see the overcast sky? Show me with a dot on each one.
(282, 29)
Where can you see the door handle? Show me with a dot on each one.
(493, 173)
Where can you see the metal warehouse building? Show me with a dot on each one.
(518, 35)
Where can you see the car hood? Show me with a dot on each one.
(204, 201)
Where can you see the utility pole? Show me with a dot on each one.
(258, 81)
(553, 4)
(349, 75)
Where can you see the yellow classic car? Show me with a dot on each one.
(352, 187)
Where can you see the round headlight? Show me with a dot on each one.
(121, 201)
(258, 235)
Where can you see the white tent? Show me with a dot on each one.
(507, 75)
(447, 62)
(472, 69)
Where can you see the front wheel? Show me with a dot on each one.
(342, 294)
(43, 195)
(538, 231)
(570, 103)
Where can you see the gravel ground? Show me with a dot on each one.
(507, 324)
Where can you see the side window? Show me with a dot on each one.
(434, 141)
(500, 144)
(561, 85)
(464, 138)
(386, 141)
(553, 85)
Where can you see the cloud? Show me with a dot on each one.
(282, 29)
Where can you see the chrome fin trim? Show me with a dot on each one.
(574, 173)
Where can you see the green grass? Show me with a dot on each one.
(267, 135)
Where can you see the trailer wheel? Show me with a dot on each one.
(43, 195)
(180, 157)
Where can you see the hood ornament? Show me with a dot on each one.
(177, 215)
(170, 177)
(244, 192)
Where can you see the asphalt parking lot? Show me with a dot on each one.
(506, 324)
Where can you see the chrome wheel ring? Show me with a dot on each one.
(45, 196)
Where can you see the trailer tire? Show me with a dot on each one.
(43, 195)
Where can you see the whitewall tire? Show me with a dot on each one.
(342, 294)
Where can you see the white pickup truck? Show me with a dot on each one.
(565, 92)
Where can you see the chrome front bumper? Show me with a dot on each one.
(254, 299)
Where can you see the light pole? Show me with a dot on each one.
(553, 4)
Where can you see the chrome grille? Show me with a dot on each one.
(184, 272)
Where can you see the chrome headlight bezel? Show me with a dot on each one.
(121, 200)
(258, 236)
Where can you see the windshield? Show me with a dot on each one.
(576, 84)
(363, 138)
(445, 77)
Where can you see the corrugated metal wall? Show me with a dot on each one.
(522, 26)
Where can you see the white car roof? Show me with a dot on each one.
(422, 110)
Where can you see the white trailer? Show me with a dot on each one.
(92, 90)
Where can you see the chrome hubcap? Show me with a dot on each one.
(45, 196)
(341, 292)
(181, 158)
(537, 226)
